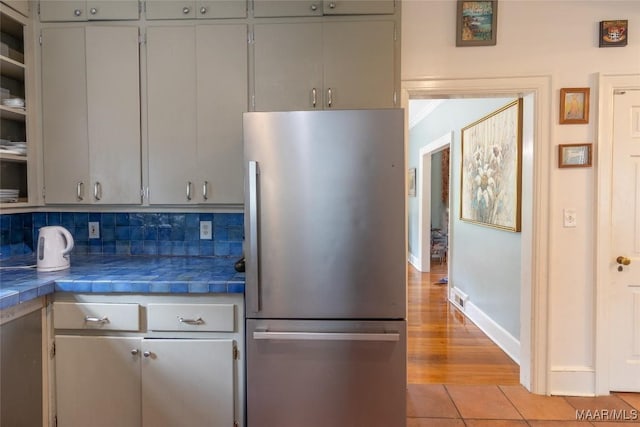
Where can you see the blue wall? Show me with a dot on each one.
(124, 233)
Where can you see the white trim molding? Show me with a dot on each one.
(608, 84)
(534, 346)
(571, 380)
(507, 342)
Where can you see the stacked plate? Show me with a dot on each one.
(13, 102)
(9, 195)
(13, 147)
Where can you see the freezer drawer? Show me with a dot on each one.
(316, 373)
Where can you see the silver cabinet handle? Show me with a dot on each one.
(203, 10)
(97, 190)
(135, 351)
(189, 191)
(93, 10)
(329, 97)
(197, 321)
(77, 12)
(314, 96)
(186, 10)
(147, 354)
(79, 188)
(332, 5)
(205, 188)
(252, 270)
(314, 7)
(100, 320)
(326, 336)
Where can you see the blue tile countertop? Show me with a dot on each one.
(125, 274)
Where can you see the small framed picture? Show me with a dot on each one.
(476, 23)
(574, 155)
(574, 106)
(412, 182)
(614, 33)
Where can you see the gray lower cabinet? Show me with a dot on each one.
(158, 362)
(21, 370)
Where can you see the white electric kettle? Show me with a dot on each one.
(54, 245)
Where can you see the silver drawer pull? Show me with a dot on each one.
(198, 321)
(101, 320)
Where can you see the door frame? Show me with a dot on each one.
(424, 198)
(608, 84)
(534, 372)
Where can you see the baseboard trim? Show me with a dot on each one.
(503, 339)
(415, 261)
(572, 381)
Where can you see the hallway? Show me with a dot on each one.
(458, 377)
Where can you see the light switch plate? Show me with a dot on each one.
(206, 233)
(569, 220)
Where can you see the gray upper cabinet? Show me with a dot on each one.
(196, 94)
(286, 8)
(214, 9)
(91, 115)
(329, 65)
(90, 10)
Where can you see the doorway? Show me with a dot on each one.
(532, 314)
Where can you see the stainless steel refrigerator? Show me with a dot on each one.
(325, 268)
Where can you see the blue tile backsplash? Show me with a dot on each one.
(176, 234)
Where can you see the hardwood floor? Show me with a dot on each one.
(444, 347)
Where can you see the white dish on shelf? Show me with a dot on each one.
(13, 102)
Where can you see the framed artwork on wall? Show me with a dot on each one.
(574, 155)
(476, 23)
(411, 182)
(614, 33)
(574, 106)
(491, 175)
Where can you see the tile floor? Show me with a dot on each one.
(435, 405)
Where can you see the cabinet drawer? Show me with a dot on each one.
(108, 317)
(191, 317)
(163, 9)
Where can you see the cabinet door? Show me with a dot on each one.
(64, 10)
(358, 7)
(98, 381)
(171, 109)
(359, 65)
(288, 66)
(113, 93)
(187, 383)
(221, 9)
(273, 8)
(163, 9)
(112, 10)
(221, 52)
(64, 115)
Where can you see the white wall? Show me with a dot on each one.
(558, 39)
(487, 260)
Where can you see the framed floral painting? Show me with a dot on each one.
(491, 175)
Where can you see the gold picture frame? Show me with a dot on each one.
(574, 105)
(411, 182)
(491, 169)
(575, 155)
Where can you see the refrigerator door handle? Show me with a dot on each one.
(326, 336)
(253, 273)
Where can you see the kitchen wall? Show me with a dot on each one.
(487, 260)
(124, 233)
(542, 38)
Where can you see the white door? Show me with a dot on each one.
(624, 300)
(187, 383)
